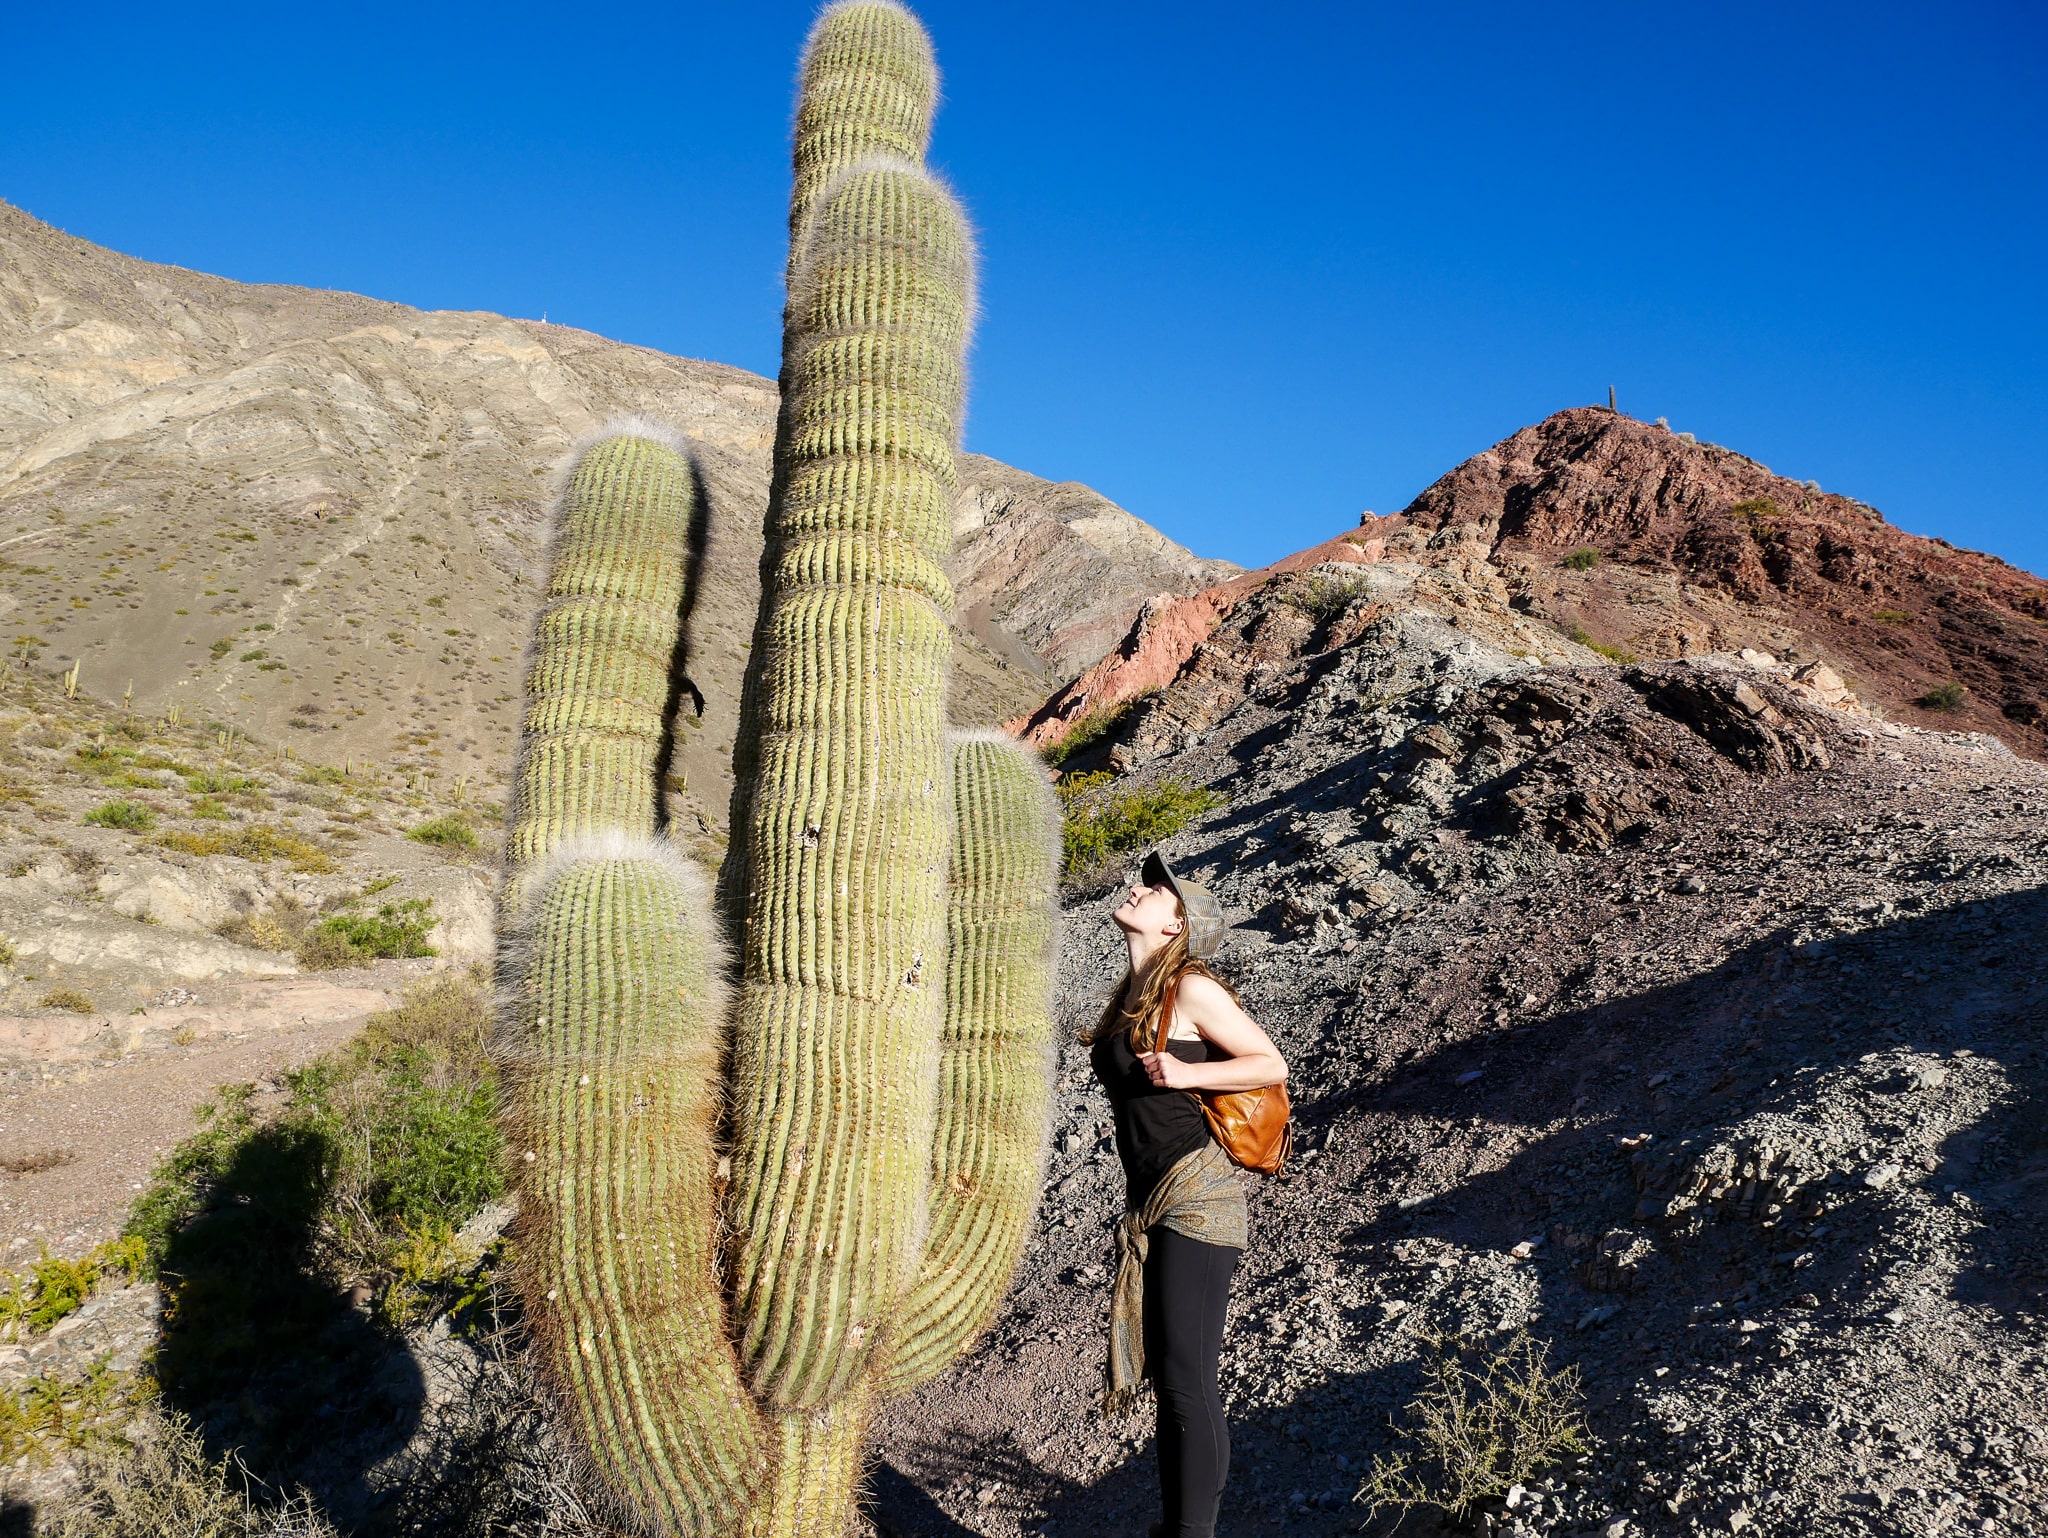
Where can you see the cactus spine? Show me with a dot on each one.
(884, 1083)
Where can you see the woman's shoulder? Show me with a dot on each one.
(1201, 991)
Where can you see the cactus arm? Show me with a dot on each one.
(610, 1069)
(997, 1053)
(836, 1041)
(598, 678)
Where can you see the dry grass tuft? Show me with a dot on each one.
(1487, 1419)
(162, 1483)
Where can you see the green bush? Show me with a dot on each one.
(1091, 729)
(179, 1185)
(256, 654)
(446, 832)
(128, 816)
(394, 931)
(1891, 616)
(1947, 698)
(390, 1138)
(1755, 509)
(219, 782)
(1585, 558)
(1102, 825)
(68, 1000)
(1612, 653)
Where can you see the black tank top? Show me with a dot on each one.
(1155, 1128)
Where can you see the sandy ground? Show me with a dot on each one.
(100, 1124)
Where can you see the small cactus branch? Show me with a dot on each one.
(996, 1053)
(597, 684)
(609, 1060)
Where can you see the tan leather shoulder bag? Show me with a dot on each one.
(1251, 1125)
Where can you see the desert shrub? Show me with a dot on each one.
(219, 782)
(128, 816)
(1091, 729)
(1321, 595)
(1891, 616)
(222, 647)
(70, 1413)
(322, 949)
(1101, 825)
(1614, 654)
(1585, 558)
(1752, 509)
(68, 1001)
(7, 952)
(394, 931)
(382, 1151)
(1947, 698)
(1485, 1421)
(258, 842)
(163, 1482)
(2026, 712)
(445, 832)
(179, 1185)
(280, 927)
(54, 1287)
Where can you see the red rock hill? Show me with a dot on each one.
(1700, 549)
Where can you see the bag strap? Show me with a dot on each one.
(1166, 1015)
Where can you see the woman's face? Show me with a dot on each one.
(1149, 910)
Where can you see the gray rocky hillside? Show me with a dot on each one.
(318, 517)
(1684, 1014)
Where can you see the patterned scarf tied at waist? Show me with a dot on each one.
(1199, 1197)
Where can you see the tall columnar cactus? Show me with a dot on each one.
(743, 1224)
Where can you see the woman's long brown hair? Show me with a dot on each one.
(1141, 1017)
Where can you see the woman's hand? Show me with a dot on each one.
(1165, 1070)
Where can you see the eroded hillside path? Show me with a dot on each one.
(90, 1106)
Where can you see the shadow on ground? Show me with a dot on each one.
(267, 1362)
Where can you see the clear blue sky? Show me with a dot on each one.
(1247, 270)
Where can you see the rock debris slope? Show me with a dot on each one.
(1684, 1013)
(311, 512)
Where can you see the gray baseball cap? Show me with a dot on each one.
(1205, 913)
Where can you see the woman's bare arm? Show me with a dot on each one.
(1254, 1061)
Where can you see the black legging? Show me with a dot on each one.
(1187, 1287)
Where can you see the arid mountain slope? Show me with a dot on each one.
(1701, 549)
(287, 508)
(1049, 575)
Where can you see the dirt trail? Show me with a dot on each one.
(101, 1124)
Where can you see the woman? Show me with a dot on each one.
(1184, 1218)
